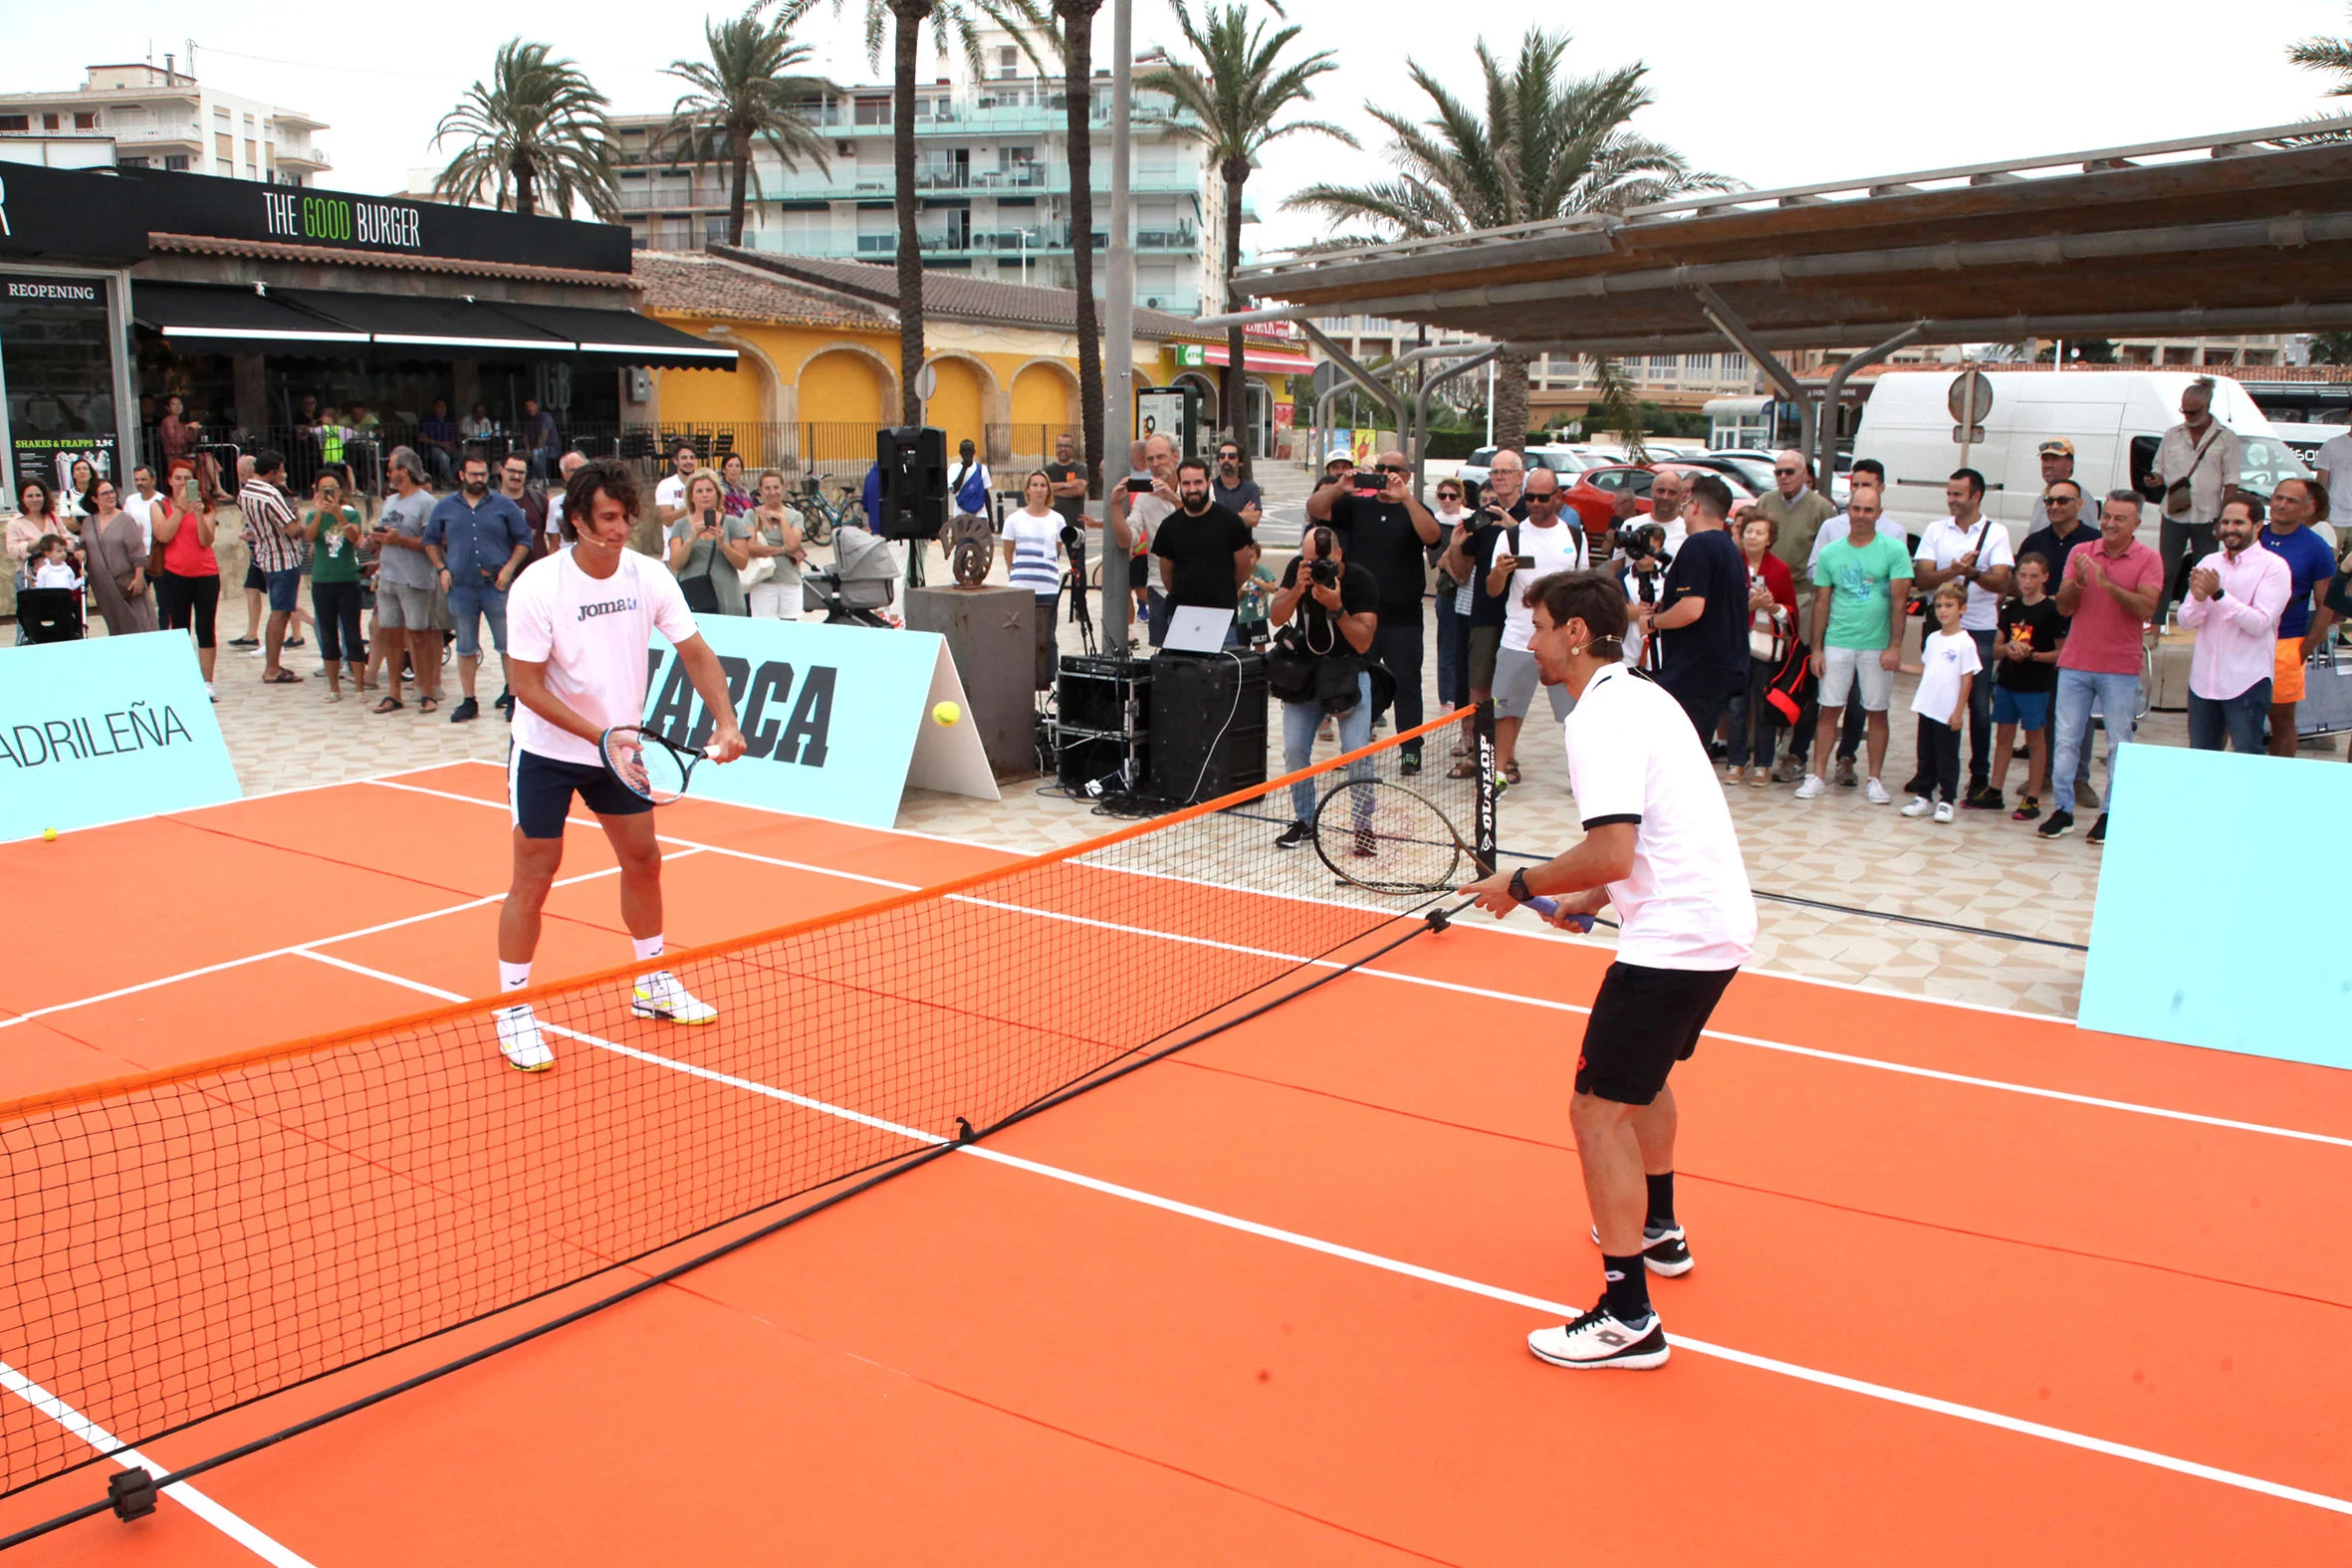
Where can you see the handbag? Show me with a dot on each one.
(155, 557)
(702, 594)
(1290, 667)
(2176, 494)
(2326, 707)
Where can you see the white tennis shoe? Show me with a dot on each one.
(1811, 788)
(659, 995)
(519, 1040)
(1596, 1339)
(1876, 792)
(1920, 806)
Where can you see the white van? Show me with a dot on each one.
(2115, 418)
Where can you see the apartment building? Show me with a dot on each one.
(163, 118)
(992, 179)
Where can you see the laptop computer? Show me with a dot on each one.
(1195, 628)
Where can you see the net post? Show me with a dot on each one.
(1488, 848)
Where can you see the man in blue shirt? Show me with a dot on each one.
(478, 541)
(2295, 505)
(436, 432)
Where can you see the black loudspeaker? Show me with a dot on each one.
(914, 482)
(1208, 725)
(1101, 706)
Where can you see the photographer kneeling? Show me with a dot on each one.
(1318, 665)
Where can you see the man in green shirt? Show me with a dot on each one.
(1799, 509)
(1858, 635)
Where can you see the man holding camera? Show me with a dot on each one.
(1389, 532)
(1468, 558)
(1337, 605)
(1137, 509)
(1201, 551)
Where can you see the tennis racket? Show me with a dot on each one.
(1386, 838)
(648, 764)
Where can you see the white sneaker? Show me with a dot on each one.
(659, 995)
(1811, 788)
(1943, 812)
(1596, 1339)
(1876, 792)
(519, 1038)
(1920, 806)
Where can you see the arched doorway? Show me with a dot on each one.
(1044, 405)
(843, 396)
(958, 404)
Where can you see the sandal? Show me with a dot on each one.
(1461, 750)
(282, 678)
(1511, 772)
(388, 704)
(428, 704)
(1463, 770)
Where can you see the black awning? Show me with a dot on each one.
(398, 320)
(191, 311)
(622, 337)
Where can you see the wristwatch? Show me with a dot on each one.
(1519, 886)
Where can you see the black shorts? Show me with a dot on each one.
(539, 790)
(1644, 1021)
(255, 582)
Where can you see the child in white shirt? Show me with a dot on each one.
(56, 563)
(1947, 664)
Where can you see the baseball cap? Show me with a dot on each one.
(1341, 454)
(2058, 448)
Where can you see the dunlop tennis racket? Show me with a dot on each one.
(1386, 838)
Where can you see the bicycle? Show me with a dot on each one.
(820, 517)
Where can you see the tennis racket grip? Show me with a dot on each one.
(1549, 907)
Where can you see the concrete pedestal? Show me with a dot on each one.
(990, 634)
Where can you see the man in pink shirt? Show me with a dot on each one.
(2235, 596)
(2109, 586)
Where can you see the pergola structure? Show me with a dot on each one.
(2243, 233)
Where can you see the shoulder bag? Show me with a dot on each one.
(2176, 494)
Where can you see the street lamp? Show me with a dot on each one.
(1025, 238)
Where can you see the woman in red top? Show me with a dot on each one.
(1771, 624)
(188, 592)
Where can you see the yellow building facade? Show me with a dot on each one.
(825, 358)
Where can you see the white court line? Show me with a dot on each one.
(266, 794)
(1886, 1392)
(203, 1507)
(296, 947)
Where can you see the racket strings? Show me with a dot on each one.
(641, 760)
(1386, 838)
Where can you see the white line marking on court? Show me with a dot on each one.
(688, 846)
(203, 1507)
(1789, 1369)
(296, 949)
(266, 794)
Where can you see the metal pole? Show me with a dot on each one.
(1118, 337)
(1835, 393)
(1490, 402)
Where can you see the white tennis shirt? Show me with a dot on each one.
(594, 634)
(1635, 758)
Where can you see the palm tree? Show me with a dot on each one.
(745, 92)
(903, 20)
(2325, 54)
(1237, 93)
(1076, 40)
(1544, 144)
(538, 128)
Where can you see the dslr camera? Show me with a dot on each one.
(1323, 572)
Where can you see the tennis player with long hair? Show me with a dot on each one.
(579, 623)
(1659, 846)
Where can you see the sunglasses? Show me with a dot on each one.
(1786, 472)
(1449, 495)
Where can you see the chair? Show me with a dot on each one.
(48, 614)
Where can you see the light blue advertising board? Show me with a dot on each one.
(834, 717)
(105, 730)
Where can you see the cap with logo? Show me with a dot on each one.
(2058, 448)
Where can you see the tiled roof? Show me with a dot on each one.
(262, 250)
(692, 284)
(956, 296)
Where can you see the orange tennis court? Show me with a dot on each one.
(1972, 1285)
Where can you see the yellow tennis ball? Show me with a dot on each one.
(946, 713)
(48, 835)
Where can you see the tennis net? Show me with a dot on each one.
(182, 1243)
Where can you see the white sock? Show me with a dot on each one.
(513, 976)
(648, 948)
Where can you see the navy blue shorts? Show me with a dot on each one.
(1642, 1022)
(539, 790)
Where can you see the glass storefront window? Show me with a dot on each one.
(57, 358)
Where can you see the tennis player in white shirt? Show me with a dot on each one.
(1659, 846)
(577, 628)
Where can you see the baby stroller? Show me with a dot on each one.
(48, 614)
(858, 587)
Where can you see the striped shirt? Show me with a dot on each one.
(266, 515)
(1037, 543)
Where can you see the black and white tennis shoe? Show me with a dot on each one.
(1598, 1339)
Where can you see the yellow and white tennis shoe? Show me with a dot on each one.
(659, 995)
(520, 1042)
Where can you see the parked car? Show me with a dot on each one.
(1594, 494)
(1561, 460)
(1755, 467)
(2115, 418)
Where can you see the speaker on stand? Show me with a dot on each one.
(1102, 707)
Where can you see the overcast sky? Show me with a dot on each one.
(1857, 87)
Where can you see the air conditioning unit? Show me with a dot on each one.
(844, 149)
(1152, 304)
